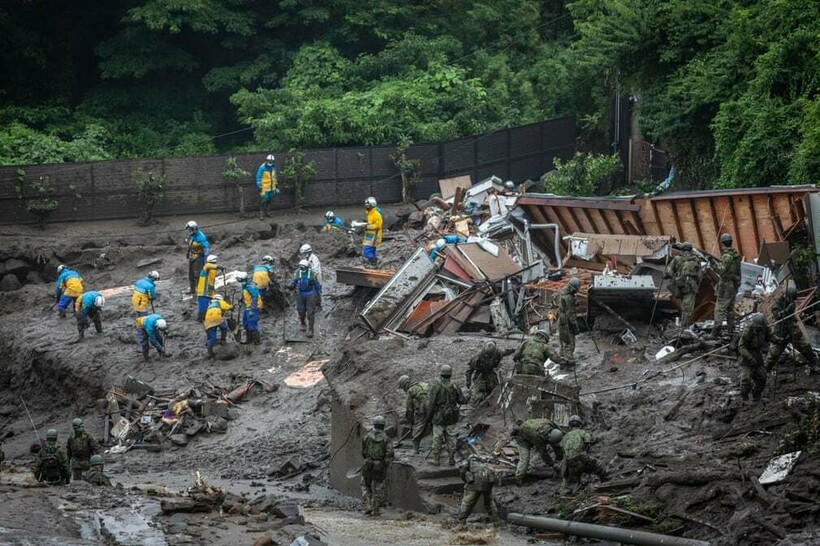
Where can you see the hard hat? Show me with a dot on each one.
(758, 319)
(96, 460)
(305, 248)
(575, 284)
(575, 419)
(446, 371)
(191, 225)
(726, 239)
(51, 434)
(441, 242)
(154, 275)
(60, 268)
(271, 158)
(542, 333)
(378, 421)
(267, 259)
(370, 202)
(211, 259)
(99, 301)
(489, 346)
(304, 264)
(330, 215)
(161, 324)
(791, 290)
(555, 436)
(686, 245)
(509, 184)
(77, 422)
(218, 297)
(242, 276)
(404, 381)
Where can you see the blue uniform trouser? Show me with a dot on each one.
(202, 305)
(250, 318)
(210, 333)
(369, 252)
(143, 340)
(65, 302)
(306, 304)
(266, 197)
(138, 314)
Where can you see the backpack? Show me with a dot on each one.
(451, 398)
(690, 267)
(376, 447)
(484, 364)
(51, 465)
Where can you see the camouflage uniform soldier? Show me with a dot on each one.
(750, 346)
(726, 290)
(577, 460)
(568, 319)
(415, 409)
(536, 434)
(684, 270)
(478, 482)
(51, 465)
(80, 448)
(96, 476)
(785, 330)
(377, 451)
(481, 371)
(443, 413)
(531, 355)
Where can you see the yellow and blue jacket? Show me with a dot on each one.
(213, 316)
(206, 286)
(373, 230)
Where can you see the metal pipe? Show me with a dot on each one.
(528, 226)
(603, 532)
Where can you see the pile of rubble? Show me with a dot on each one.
(138, 417)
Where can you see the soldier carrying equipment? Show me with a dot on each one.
(443, 412)
(415, 408)
(51, 465)
(685, 272)
(536, 434)
(568, 319)
(726, 290)
(377, 452)
(479, 479)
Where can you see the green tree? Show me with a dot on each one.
(582, 175)
(298, 173)
(236, 174)
(150, 192)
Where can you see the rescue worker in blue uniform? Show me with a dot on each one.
(145, 292)
(308, 288)
(151, 330)
(69, 288)
(206, 287)
(262, 278)
(88, 308)
(333, 222)
(251, 304)
(267, 183)
(198, 250)
(215, 319)
(444, 241)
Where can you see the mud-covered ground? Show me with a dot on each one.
(678, 447)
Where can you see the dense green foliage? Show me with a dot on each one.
(728, 87)
(583, 174)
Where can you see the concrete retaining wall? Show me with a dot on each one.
(344, 176)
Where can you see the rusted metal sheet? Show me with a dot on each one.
(391, 300)
(423, 311)
(358, 276)
(752, 215)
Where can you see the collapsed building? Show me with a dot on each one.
(504, 257)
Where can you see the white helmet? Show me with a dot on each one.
(509, 184)
(192, 226)
(370, 202)
(242, 277)
(304, 264)
(218, 297)
(270, 159)
(161, 324)
(267, 259)
(99, 301)
(154, 275)
(60, 268)
(441, 243)
(330, 215)
(305, 249)
(211, 259)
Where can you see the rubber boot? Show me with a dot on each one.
(145, 354)
(200, 317)
(375, 510)
(61, 312)
(223, 335)
(310, 326)
(302, 325)
(257, 338)
(416, 446)
(451, 461)
(211, 352)
(436, 461)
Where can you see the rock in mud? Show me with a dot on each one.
(229, 351)
(18, 267)
(178, 439)
(32, 277)
(10, 283)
